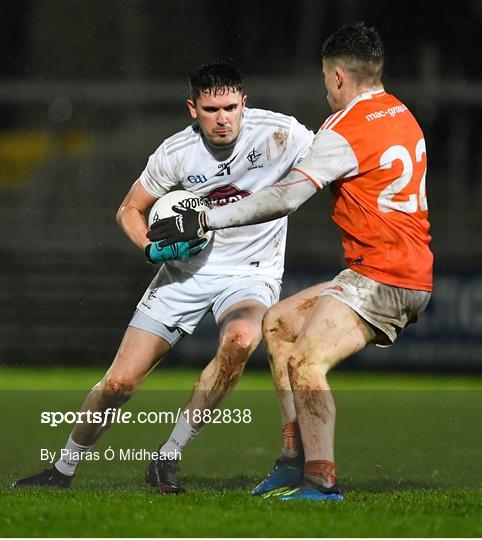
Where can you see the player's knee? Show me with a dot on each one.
(275, 328)
(302, 365)
(238, 344)
(270, 326)
(118, 389)
(298, 370)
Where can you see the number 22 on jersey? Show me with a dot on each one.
(415, 200)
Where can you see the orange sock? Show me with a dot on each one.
(292, 445)
(321, 471)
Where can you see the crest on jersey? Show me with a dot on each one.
(253, 157)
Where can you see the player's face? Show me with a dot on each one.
(219, 115)
(332, 83)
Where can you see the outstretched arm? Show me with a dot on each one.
(271, 203)
(329, 158)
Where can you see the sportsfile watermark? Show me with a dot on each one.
(109, 454)
(431, 435)
(113, 415)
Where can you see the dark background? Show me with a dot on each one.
(89, 89)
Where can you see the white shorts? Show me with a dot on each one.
(389, 309)
(179, 299)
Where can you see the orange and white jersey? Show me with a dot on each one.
(372, 154)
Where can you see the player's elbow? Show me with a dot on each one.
(120, 215)
(291, 206)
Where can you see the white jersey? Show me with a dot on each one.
(268, 146)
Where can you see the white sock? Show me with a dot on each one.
(182, 433)
(72, 455)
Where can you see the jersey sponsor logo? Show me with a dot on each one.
(197, 178)
(222, 195)
(253, 157)
(192, 203)
(392, 111)
(225, 168)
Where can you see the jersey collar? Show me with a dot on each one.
(366, 95)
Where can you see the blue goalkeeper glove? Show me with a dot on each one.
(179, 251)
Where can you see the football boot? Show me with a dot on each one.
(309, 492)
(286, 473)
(47, 478)
(161, 475)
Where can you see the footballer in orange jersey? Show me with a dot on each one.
(379, 199)
(371, 153)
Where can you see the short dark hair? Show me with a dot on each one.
(359, 47)
(215, 77)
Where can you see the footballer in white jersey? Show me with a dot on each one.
(247, 262)
(228, 154)
(267, 147)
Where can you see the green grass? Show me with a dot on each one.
(77, 378)
(408, 454)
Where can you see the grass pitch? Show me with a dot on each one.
(408, 454)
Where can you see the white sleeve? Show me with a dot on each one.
(157, 178)
(270, 203)
(301, 139)
(329, 158)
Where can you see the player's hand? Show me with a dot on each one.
(179, 251)
(187, 225)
